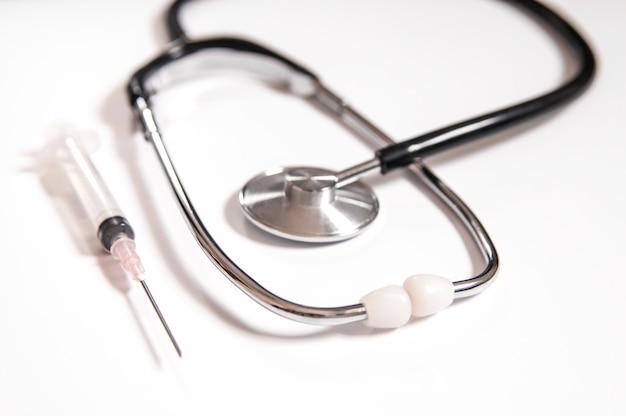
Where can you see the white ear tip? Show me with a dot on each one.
(387, 307)
(429, 293)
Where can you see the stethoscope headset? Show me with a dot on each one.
(317, 205)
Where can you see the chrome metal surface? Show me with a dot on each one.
(219, 61)
(354, 173)
(305, 204)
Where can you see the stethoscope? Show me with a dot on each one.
(317, 205)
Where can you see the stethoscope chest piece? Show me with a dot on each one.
(305, 204)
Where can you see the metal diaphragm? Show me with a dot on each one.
(304, 204)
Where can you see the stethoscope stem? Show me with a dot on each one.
(356, 172)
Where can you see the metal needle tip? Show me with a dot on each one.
(158, 311)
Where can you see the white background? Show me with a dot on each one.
(546, 338)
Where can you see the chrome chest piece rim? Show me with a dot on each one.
(304, 204)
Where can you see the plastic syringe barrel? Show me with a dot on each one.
(101, 208)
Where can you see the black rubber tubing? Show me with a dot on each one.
(405, 152)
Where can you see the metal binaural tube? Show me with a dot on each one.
(301, 313)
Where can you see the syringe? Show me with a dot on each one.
(112, 228)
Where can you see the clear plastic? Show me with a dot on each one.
(87, 184)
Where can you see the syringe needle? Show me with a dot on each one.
(158, 311)
(123, 249)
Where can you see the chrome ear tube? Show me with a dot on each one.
(316, 205)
